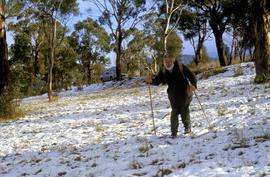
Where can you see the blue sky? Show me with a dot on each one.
(94, 13)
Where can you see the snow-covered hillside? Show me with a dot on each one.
(106, 130)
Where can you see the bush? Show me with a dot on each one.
(212, 72)
(202, 67)
(238, 71)
(9, 107)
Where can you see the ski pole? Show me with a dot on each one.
(151, 101)
(210, 126)
(152, 110)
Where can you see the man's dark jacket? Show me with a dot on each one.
(177, 85)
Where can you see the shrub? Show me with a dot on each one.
(212, 72)
(9, 107)
(238, 71)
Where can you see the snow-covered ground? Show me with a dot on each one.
(106, 130)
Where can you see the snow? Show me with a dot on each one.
(106, 130)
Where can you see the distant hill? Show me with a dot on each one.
(187, 59)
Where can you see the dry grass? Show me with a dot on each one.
(14, 116)
(162, 172)
(202, 67)
(207, 69)
(135, 165)
(238, 71)
(55, 98)
(212, 72)
(221, 110)
(100, 128)
(9, 107)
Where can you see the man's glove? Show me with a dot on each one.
(148, 79)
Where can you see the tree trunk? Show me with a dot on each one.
(232, 48)
(218, 27)
(198, 54)
(262, 43)
(51, 59)
(236, 51)
(244, 56)
(89, 73)
(220, 48)
(165, 44)
(52, 50)
(35, 55)
(119, 53)
(4, 65)
(118, 64)
(201, 38)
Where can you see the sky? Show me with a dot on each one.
(85, 11)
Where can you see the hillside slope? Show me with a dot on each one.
(105, 130)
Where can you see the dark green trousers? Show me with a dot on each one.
(185, 117)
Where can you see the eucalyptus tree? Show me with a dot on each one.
(253, 19)
(135, 54)
(93, 45)
(173, 9)
(8, 9)
(261, 27)
(218, 13)
(121, 17)
(65, 71)
(195, 28)
(52, 13)
(29, 37)
(154, 30)
(29, 54)
(21, 60)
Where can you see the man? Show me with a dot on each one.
(177, 76)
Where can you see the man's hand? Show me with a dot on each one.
(148, 79)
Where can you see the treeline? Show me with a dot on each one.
(47, 56)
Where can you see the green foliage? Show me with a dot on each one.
(91, 33)
(121, 18)
(14, 7)
(134, 55)
(174, 45)
(92, 43)
(21, 49)
(154, 32)
(65, 63)
(27, 62)
(205, 56)
(191, 24)
(9, 108)
(40, 7)
(29, 55)
(127, 10)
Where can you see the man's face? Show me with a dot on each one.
(168, 63)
